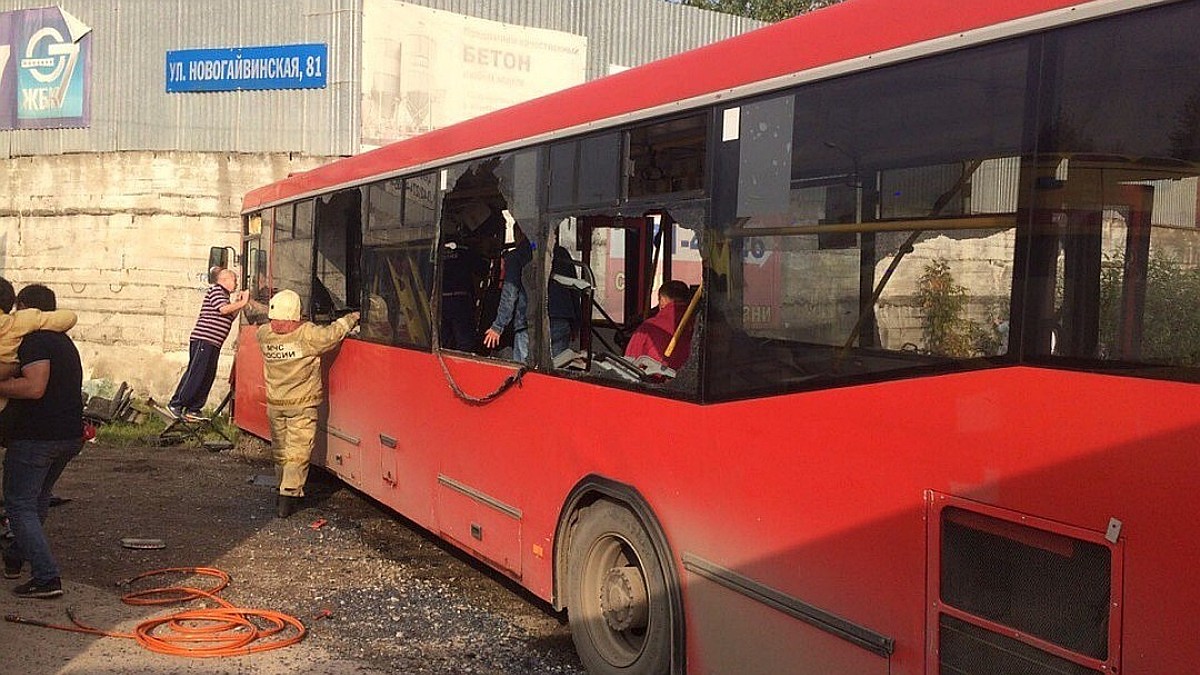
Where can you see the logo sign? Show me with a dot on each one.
(240, 68)
(45, 69)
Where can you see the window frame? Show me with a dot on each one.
(368, 249)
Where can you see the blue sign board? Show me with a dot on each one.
(238, 68)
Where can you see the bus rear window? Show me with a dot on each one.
(1115, 211)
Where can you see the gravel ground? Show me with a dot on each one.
(370, 586)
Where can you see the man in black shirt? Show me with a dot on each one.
(45, 423)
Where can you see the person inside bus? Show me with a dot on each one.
(654, 335)
(467, 252)
(563, 301)
(376, 320)
(514, 301)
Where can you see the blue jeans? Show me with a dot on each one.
(521, 345)
(560, 335)
(31, 468)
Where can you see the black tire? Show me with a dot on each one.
(620, 611)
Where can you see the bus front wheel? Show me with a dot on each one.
(618, 606)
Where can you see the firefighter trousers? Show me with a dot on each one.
(293, 433)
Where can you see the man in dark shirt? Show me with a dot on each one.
(45, 424)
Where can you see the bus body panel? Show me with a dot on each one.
(819, 496)
(250, 404)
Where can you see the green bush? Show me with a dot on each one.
(1170, 316)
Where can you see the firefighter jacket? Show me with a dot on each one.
(292, 361)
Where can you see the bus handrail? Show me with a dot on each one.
(687, 316)
(1002, 221)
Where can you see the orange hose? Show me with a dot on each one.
(224, 630)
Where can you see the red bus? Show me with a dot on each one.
(940, 406)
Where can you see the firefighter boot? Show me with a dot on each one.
(286, 505)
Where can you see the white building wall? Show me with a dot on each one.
(123, 239)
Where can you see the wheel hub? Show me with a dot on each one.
(623, 599)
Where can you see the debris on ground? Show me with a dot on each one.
(105, 402)
(143, 544)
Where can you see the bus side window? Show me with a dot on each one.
(469, 254)
(292, 254)
(623, 262)
(397, 271)
(337, 277)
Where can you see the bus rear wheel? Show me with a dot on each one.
(618, 606)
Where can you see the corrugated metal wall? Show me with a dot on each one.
(131, 110)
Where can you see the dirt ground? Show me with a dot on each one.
(376, 595)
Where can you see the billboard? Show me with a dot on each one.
(424, 68)
(45, 70)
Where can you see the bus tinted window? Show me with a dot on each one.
(599, 169)
(336, 275)
(398, 262)
(283, 221)
(420, 201)
(586, 171)
(668, 157)
(1116, 264)
(292, 258)
(874, 225)
(303, 220)
(563, 157)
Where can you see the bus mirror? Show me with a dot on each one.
(219, 257)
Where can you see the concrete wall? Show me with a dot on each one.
(123, 239)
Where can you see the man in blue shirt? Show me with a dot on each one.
(514, 302)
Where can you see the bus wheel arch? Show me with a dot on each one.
(610, 543)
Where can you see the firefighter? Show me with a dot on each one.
(291, 351)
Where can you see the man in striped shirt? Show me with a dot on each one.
(217, 314)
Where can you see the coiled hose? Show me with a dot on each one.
(224, 630)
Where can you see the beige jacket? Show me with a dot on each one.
(22, 322)
(292, 361)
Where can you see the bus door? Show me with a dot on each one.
(250, 409)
